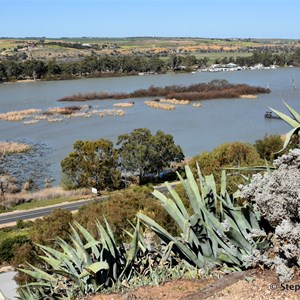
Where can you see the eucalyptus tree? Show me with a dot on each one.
(92, 164)
(145, 155)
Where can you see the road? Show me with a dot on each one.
(12, 217)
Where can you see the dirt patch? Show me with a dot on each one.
(167, 290)
(251, 284)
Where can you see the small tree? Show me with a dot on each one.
(145, 154)
(92, 164)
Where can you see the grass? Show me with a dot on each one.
(11, 232)
(54, 201)
(53, 196)
(41, 198)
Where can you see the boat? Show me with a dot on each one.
(270, 115)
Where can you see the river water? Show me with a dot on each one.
(195, 129)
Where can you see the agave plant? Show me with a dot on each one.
(294, 122)
(83, 268)
(217, 232)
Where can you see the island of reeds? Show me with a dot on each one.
(201, 91)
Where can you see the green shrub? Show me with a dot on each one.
(44, 231)
(120, 208)
(7, 246)
(227, 155)
(268, 145)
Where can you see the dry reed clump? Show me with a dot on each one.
(94, 96)
(128, 104)
(18, 115)
(158, 105)
(40, 118)
(175, 101)
(248, 96)
(13, 147)
(197, 104)
(68, 110)
(112, 112)
(53, 120)
(30, 122)
(45, 194)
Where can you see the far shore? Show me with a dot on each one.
(21, 81)
(136, 74)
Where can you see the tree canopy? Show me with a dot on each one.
(98, 164)
(144, 154)
(92, 164)
(235, 154)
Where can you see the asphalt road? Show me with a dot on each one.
(40, 212)
(8, 218)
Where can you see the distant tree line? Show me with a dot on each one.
(266, 58)
(90, 66)
(108, 65)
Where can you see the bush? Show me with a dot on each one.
(23, 254)
(268, 145)
(121, 208)
(44, 231)
(227, 155)
(7, 246)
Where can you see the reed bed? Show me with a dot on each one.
(94, 96)
(68, 110)
(197, 104)
(122, 104)
(13, 147)
(112, 112)
(248, 96)
(44, 194)
(175, 101)
(201, 91)
(53, 120)
(30, 122)
(18, 115)
(40, 117)
(58, 114)
(158, 105)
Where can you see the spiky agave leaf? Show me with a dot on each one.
(293, 122)
(205, 237)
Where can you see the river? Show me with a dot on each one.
(195, 129)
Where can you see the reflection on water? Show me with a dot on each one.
(195, 129)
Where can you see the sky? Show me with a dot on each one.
(163, 18)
